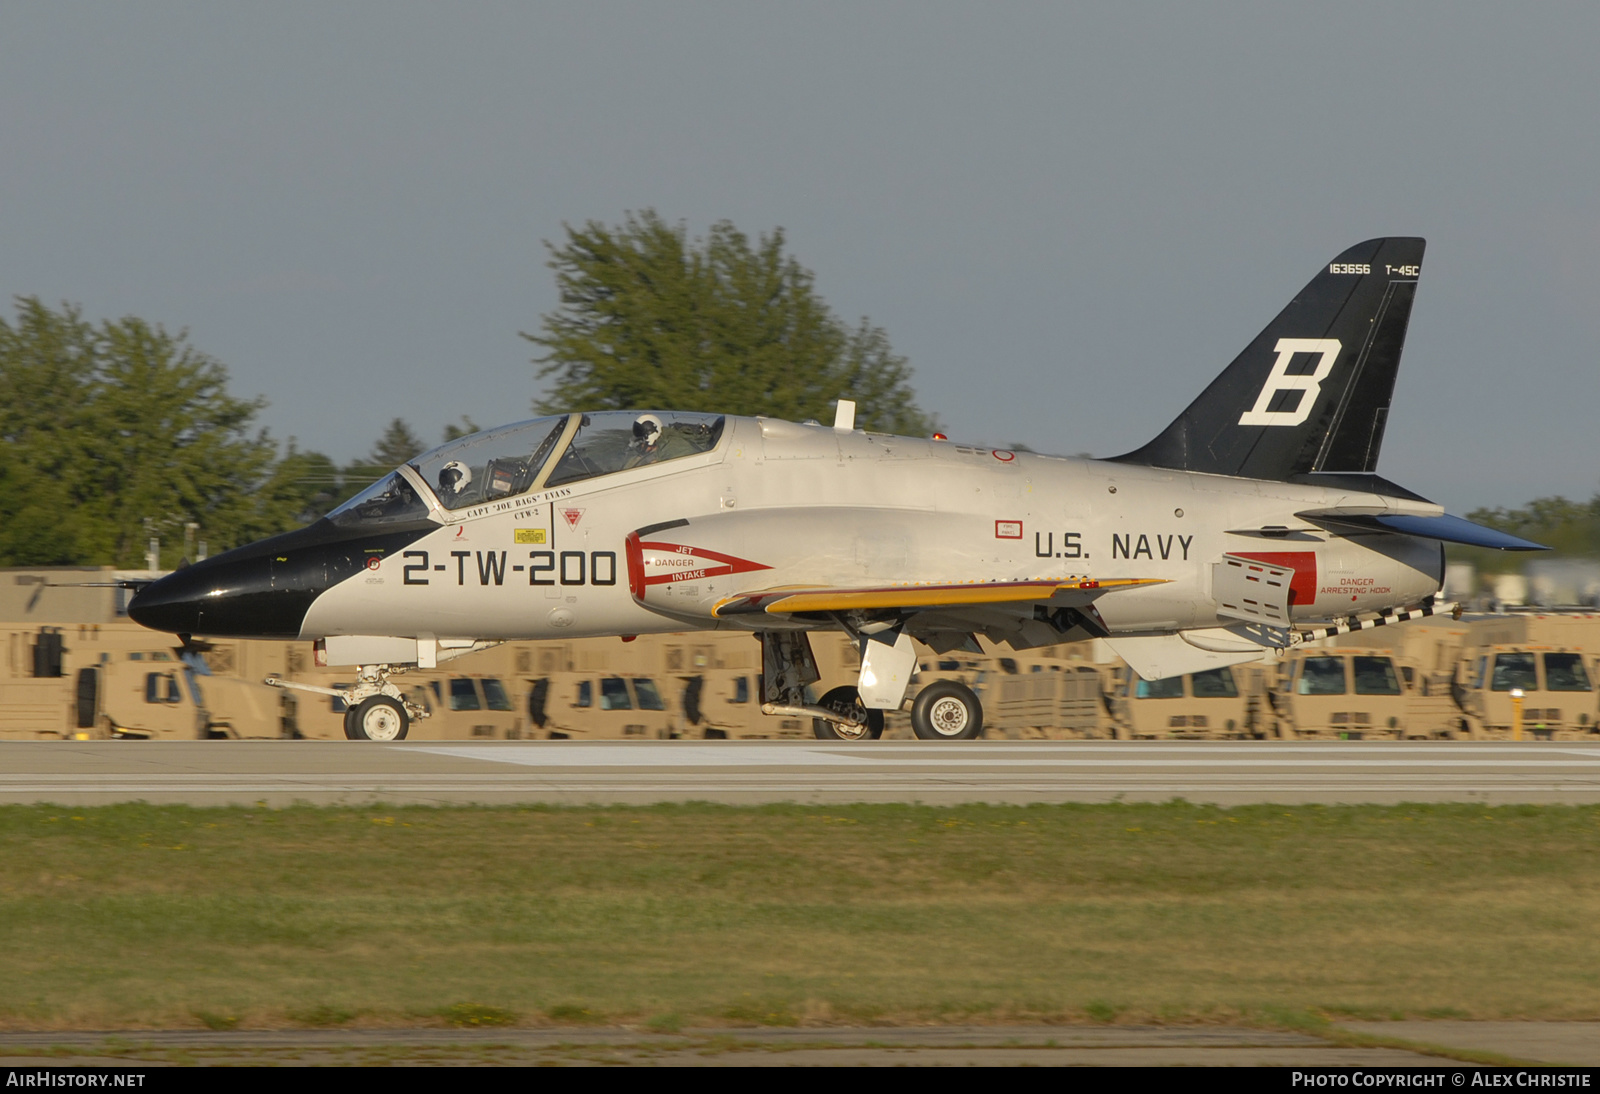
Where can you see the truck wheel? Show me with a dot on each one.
(847, 701)
(946, 711)
(378, 718)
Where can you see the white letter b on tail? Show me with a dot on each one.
(1309, 384)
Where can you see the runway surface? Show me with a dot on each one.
(1035, 1046)
(280, 773)
(1389, 1044)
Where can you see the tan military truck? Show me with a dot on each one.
(1218, 704)
(148, 697)
(1062, 700)
(1356, 694)
(469, 707)
(241, 709)
(91, 681)
(724, 704)
(1554, 685)
(715, 683)
(606, 706)
(605, 689)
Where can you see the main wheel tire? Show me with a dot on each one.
(946, 711)
(378, 718)
(847, 701)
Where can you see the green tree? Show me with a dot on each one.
(304, 484)
(47, 365)
(113, 431)
(452, 431)
(397, 445)
(649, 318)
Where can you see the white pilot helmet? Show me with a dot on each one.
(454, 477)
(646, 430)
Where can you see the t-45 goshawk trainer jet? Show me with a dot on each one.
(1255, 520)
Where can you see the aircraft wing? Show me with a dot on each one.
(787, 600)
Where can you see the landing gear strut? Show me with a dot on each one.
(787, 666)
(858, 724)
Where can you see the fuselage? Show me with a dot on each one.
(767, 504)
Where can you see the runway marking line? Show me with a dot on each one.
(591, 755)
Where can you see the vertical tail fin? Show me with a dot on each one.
(1311, 393)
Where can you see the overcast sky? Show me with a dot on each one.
(1068, 217)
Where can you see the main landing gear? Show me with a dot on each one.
(857, 722)
(375, 709)
(942, 711)
(946, 711)
(787, 667)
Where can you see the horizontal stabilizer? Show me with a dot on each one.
(819, 599)
(1442, 527)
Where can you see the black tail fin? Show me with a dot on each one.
(1311, 393)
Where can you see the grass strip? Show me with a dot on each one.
(681, 916)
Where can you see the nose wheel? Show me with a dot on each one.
(378, 718)
(946, 711)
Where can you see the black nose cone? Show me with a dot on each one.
(170, 604)
(225, 597)
(264, 590)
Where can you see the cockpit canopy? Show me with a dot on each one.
(517, 459)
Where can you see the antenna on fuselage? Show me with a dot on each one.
(844, 415)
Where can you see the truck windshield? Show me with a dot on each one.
(649, 697)
(1214, 684)
(494, 694)
(1170, 687)
(1321, 676)
(1513, 670)
(614, 694)
(463, 696)
(1565, 672)
(1375, 676)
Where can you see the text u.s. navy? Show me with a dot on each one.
(1256, 514)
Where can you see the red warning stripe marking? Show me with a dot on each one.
(639, 582)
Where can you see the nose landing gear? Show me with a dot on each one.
(375, 709)
(377, 718)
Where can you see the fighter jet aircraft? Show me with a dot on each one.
(1255, 520)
